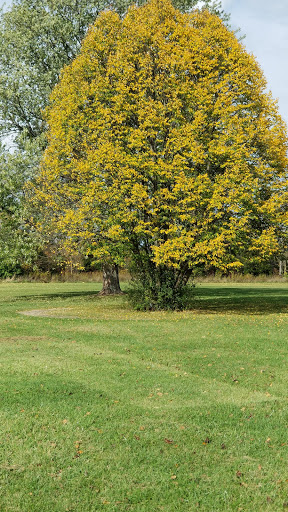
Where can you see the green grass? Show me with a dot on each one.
(103, 408)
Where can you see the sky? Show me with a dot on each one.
(265, 26)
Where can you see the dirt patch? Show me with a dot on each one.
(49, 313)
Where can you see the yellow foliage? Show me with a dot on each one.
(164, 143)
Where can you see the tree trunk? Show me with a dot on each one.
(111, 285)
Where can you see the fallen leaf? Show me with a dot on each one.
(168, 441)
(207, 440)
(239, 474)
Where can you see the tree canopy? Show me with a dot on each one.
(163, 139)
(39, 37)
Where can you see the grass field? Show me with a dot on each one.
(103, 408)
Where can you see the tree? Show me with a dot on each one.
(163, 141)
(19, 243)
(38, 38)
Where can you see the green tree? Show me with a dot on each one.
(164, 144)
(38, 38)
(19, 243)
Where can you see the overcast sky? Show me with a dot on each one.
(265, 25)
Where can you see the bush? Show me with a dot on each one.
(159, 292)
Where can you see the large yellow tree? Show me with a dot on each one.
(164, 145)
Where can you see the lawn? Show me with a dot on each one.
(103, 408)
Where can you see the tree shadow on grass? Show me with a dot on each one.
(202, 299)
(71, 297)
(239, 300)
(63, 295)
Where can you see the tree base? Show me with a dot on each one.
(111, 285)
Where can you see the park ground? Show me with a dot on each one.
(105, 408)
